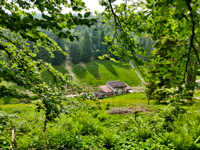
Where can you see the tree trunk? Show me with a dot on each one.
(190, 81)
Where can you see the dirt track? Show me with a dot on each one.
(136, 89)
(143, 82)
(68, 67)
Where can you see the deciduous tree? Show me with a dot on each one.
(19, 64)
(174, 19)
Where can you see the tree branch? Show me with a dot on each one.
(191, 37)
(119, 25)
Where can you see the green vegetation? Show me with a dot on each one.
(45, 55)
(54, 121)
(89, 126)
(47, 77)
(61, 68)
(21, 43)
(124, 100)
(197, 93)
(94, 44)
(8, 100)
(96, 73)
(86, 54)
(173, 26)
(75, 52)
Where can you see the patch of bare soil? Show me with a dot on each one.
(136, 89)
(68, 67)
(82, 64)
(143, 82)
(125, 111)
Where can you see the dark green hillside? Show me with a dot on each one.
(48, 78)
(96, 73)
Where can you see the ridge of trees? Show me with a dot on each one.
(96, 34)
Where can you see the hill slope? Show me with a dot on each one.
(96, 73)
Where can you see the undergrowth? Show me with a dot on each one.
(85, 126)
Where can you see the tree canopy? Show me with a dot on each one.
(176, 20)
(171, 74)
(18, 28)
(86, 48)
(75, 53)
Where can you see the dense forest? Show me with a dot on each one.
(89, 46)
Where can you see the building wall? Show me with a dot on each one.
(117, 90)
(121, 90)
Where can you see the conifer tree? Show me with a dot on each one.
(94, 39)
(75, 53)
(86, 48)
(102, 47)
(59, 58)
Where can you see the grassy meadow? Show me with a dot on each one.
(122, 100)
(96, 73)
(89, 125)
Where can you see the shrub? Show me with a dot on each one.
(109, 140)
(89, 126)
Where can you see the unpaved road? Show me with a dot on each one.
(137, 89)
(143, 82)
(68, 67)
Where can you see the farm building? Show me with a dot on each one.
(112, 88)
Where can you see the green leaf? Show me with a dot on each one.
(45, 16)
(71, 38)
(27, 18)
(80, 15)
(87, 14)
(41, 7)
(94, 20)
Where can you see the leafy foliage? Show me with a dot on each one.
(169, 23)
(84, 125)
(19, 64)
(176, 21)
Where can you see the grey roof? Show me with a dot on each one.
(98, 93)
(116, 84)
